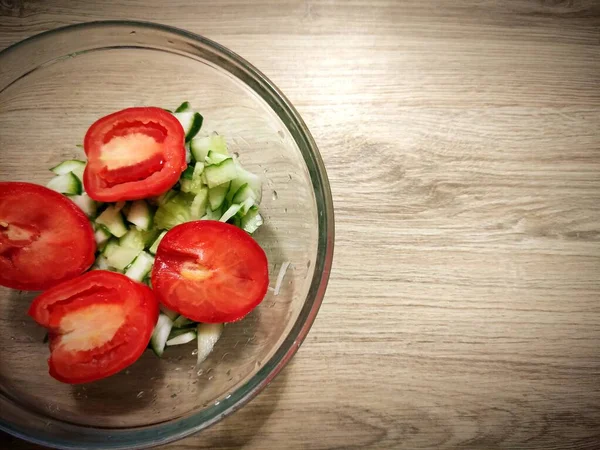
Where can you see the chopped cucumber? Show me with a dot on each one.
(216, 196)
(134, 238)
(220, 173)
(212, 215)
(243, 193)
(245, 206)
(184, 107)
(195, 183)
(198, 208)
(149, 236)
(231, 211)
(140, 215)
(112, 219)
(208, 335)
(87, 205)
(74, 166)
(191, 123)
(174, 212)
(215, 158)
(200, 146)
(141, 266)
(187, 173)
(252, 220)
(183, 338)
(182, 321)
(119, 257)
(154, 247)
(161, 334)
(101, 235)
(168, 312)
(101, 263)
(164, 198)
(66, 184)
(245, 177)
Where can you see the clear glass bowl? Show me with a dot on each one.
(52, 87)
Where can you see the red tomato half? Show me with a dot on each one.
(99, 323)
(210, 271)
(44, 237)
(133, 154)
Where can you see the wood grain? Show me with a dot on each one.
(462, 144)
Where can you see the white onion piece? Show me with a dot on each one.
(208, 335)
(282, 271)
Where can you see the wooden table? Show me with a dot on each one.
(462, 141)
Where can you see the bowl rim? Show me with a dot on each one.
(166, 432)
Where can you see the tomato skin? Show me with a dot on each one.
(44, 237)
(210, 271)
(99, 323)
(137, 178)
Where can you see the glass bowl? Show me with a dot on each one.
(52, 87)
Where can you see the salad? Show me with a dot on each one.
(146, 244)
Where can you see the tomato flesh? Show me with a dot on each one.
(133, 154)
(44, 237)
(99, 323)
(210, 271)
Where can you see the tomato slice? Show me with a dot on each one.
(99, 323)
(44, 237)
(133, 154)
(210, 271)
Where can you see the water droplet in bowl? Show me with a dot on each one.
(275, 195)
(140, 394)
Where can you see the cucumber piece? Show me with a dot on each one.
(216, 196)
(66, 184)
(245, 206)
(252, 220)
(212, 215)
(119, 257)
(200, 146)
(245, 177)
(185, 185)
(208, 335)
(183, 338)
(184, 107)
(140, 215)
(87, 205)
(161, 334)
(154, 247)
(196, 183)
(191, 123)
(168, 312)
(149, 236)
(243, 193)
(174, 212)
(133, 239)
(112, 219)
(74, 166)
(101, 263)
(217, 174)
(231, 211)
(215, 158)
(198, 208)
(141, 266)
(101, 235)
(187, 173)
(181, 322)
(164, 198)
